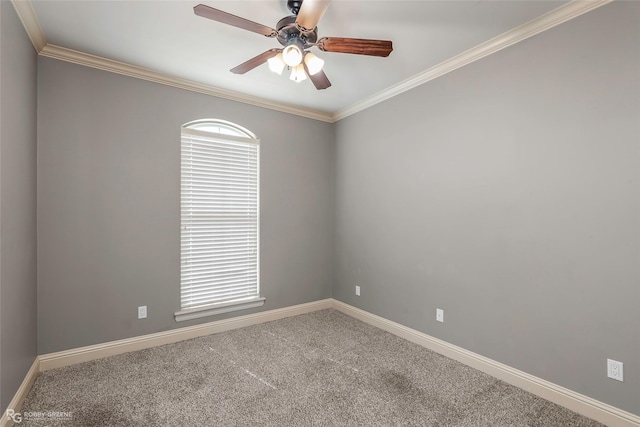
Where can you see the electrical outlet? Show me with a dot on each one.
(614, 370)
(357, 290)
(439, 315)
(142, 312)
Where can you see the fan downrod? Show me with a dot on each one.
(294, 6)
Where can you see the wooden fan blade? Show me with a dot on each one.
(319, 79)
(310, 13)
(233, 20)
(356, 46)
(255, 61)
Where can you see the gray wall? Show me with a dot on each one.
(17, 203)
(108, 203)
(507, 193)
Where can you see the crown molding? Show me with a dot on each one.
(549, 20)
(93, 61)
(30, 23)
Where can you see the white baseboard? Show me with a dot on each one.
(98, 351)
(21, 394)
(576, 402)
(584, 405)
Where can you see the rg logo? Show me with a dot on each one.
(16, 417)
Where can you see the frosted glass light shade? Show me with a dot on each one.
(276, 64)
(314, 64)
(292, 55)
(298, 74)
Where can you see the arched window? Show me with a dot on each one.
(220, 126)
(219, 219)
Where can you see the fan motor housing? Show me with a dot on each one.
(287, 30)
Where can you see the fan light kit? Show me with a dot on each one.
(276, 64)
(292, 55)
(297, 33)
(297, 73)
(313, 63)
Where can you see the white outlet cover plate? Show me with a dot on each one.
(358, 290)
(439, 315)
(615, 370)
(142, 312)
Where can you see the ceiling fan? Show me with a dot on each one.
(297, 33)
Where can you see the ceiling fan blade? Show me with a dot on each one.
(319, 79)
(233, 20)
(310, 13)
(255, 61)
(355, 46)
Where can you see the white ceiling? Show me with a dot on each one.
(166, 36)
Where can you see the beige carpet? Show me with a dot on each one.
(323, 368)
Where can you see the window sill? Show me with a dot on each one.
(212, 310)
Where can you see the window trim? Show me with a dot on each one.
(212, 310)
(191, 128)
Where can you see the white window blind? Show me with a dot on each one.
(219, 222)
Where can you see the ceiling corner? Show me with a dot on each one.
(30, 22)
